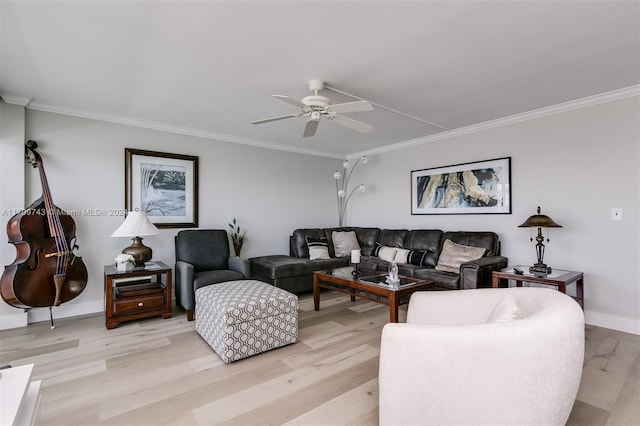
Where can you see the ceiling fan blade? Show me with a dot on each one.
(356, 125)
(310, 128)
(289, 100)
(351, 107)
(280, 117)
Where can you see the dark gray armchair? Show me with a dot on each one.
(202, 259)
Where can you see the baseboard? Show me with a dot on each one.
(65, 310)
(13, 320)
(627, 325)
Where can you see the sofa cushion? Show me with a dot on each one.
(367, 238)
(318, 248)
(428, 240)
(449, 280)
(453, 255)
(344, 242)
(393, 237)
(280, 266)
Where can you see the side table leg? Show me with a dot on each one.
(495, 281)
(579, 292)
(316, 294)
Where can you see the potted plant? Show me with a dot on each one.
(124, 262)
(237, 238)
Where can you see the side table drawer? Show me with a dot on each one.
(139, 304)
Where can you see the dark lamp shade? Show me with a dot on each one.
(539, 221)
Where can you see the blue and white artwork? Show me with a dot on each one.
(480, 187)
(162, 189)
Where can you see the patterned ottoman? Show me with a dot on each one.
(242, 318)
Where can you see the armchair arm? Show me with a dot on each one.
(477, 273)
(240, 265)
(185, 296)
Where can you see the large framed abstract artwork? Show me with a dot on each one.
(479, 187)
(164, 186)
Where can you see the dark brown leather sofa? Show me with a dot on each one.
(294, 273)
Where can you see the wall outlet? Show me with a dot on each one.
(616, 213)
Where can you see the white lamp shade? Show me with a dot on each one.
(136, 224)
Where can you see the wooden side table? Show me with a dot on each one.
(558, 278)
(139, 293)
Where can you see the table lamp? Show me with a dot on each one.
(540, 221)
(135, 225)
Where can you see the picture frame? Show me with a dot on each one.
(164, 186)
(479, 187)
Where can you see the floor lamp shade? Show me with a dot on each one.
(137, 224)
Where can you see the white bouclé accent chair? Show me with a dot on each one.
(448, 366)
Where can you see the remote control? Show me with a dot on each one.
(517, 271)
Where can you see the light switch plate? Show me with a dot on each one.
(616, 213)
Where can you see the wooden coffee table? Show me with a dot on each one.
(369, 285)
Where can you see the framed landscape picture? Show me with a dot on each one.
(164, 186)
(479, 187)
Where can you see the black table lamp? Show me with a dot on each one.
(540, 221)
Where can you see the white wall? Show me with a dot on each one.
(269, 192)
(576, 165)
(12, 119)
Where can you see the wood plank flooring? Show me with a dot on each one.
(160, 372)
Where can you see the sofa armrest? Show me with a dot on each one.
(241, 265)
(477, 273)
(184, 284)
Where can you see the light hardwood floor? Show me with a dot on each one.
(160, 372)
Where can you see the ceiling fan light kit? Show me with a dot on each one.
(315, 106)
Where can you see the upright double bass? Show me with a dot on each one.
(46, 272)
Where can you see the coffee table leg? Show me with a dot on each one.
(316, 294)
(353, 295)
(393, 307)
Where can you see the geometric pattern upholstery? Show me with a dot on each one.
(242, 318)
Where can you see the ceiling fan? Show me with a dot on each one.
(315, 107)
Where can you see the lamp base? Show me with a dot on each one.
(538, 269)
(139, 251)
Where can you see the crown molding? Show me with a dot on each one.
(586, 102)
(154, 125)
(576, 104)
(15, 99)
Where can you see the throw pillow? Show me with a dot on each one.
(344, 242)
(402, 256)
(318, 248)
(414, 257)
(384, 252)
(453, 255)
(506, 310)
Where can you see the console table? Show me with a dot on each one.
(139, 293)
(558, 278)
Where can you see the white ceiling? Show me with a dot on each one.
(208, 68)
